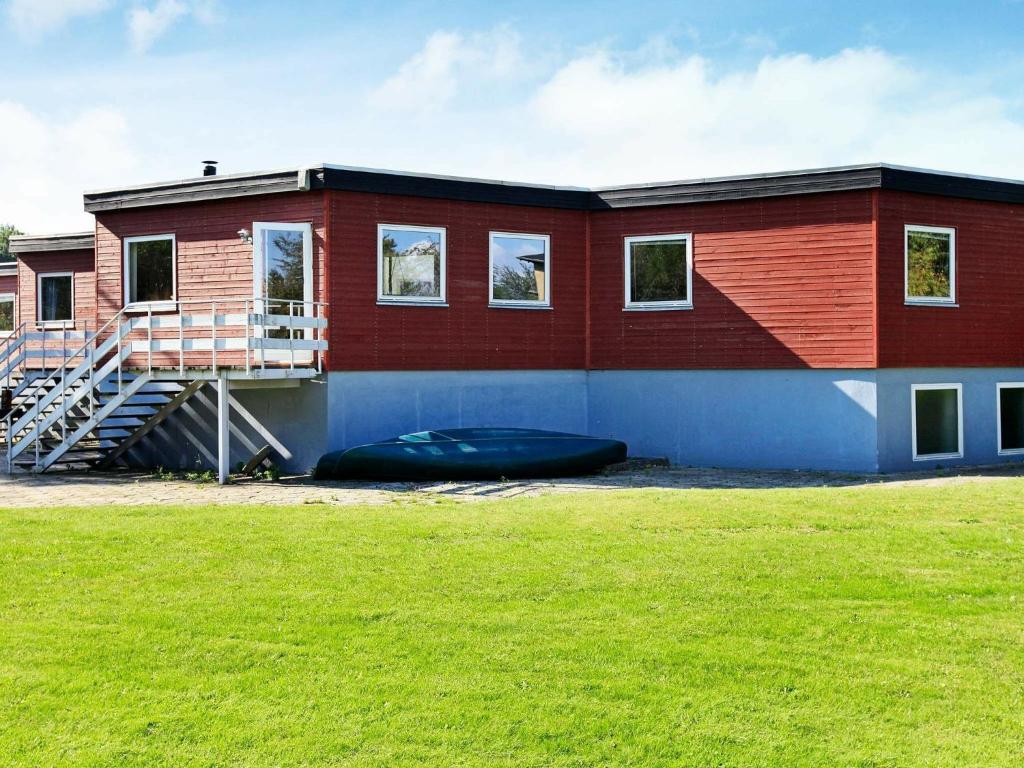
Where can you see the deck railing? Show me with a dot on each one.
(186, 337)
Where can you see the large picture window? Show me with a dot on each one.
(410, 264)
(1010, 412)
(658, 272)
(930, 265)
(6, 314)
(520, 269)
(149, 270)
(937, 421)
(56, 297)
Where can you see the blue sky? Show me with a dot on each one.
(106, 92)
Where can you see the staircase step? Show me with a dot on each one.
(135, 410)
(124, 421)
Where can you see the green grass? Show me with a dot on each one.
(822, 627)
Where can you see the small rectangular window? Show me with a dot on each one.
(937, 421)
(6, 314)
(658, 272)
(410, 264)
(149, 270)
(930, 265)
(56, 297)
(520, 273)
(1010, 412)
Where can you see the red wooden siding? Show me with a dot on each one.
(987, 328)
(81, 262)
(467, 334)
(212, 260)
(778, 283)
(8, 283)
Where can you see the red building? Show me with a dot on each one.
(862, 318)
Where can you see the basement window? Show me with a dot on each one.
(6, 314)
(520, 274)
(930, 265)
(658, 271)
(410, 264)
(1010, 412)
(149, 270)
(56, 298)
(937, 421)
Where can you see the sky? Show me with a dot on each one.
(104, 93)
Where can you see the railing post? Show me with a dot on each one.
(291, 335)
(64, 384)
(120, 357)
(181, 341)
(149, 339)
(213, 338)
(248, 365)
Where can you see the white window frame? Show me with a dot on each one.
(13, 298)
(929, 301)
(519, 303)
(70, 322)
(164, 305)
(914, 389)
(999, 418)
(422, 301)
(259, 278)
(649, 306)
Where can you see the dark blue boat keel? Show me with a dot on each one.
(473, 454)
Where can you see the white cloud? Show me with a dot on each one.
(431, 77)
(33, 18)
(145, 25)
(681, 119)
(48, 163)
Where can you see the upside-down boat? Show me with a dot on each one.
(488, 453)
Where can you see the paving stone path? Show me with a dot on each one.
(94, 489)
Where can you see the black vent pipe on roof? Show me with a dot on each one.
(209, 167)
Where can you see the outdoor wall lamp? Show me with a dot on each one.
(245, 235)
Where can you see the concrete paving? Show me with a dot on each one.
(130, 488)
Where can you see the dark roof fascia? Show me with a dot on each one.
(738, 187)
(449, 188)
(952, 185)
(195, 190)
(28, 244)
(333, 177)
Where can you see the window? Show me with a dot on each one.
(930, 265)
(56, 297)
(6, 314)
(1010, 413)
(520, 273)
(937, 421)
(658, 271)
(149, 271)
(410, 264)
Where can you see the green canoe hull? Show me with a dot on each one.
(473, 454)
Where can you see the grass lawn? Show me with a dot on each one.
(858, 627)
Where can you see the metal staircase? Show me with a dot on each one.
(88, 406)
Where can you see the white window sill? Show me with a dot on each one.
(152, 306)
(410, 303)
(939, 456)
(927, 303)
(517, 305)
(56, 324)
(1011, 452)
(659, 307)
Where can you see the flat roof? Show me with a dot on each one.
(67, 241)
(351, 178)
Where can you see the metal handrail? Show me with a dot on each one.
(254, 327)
